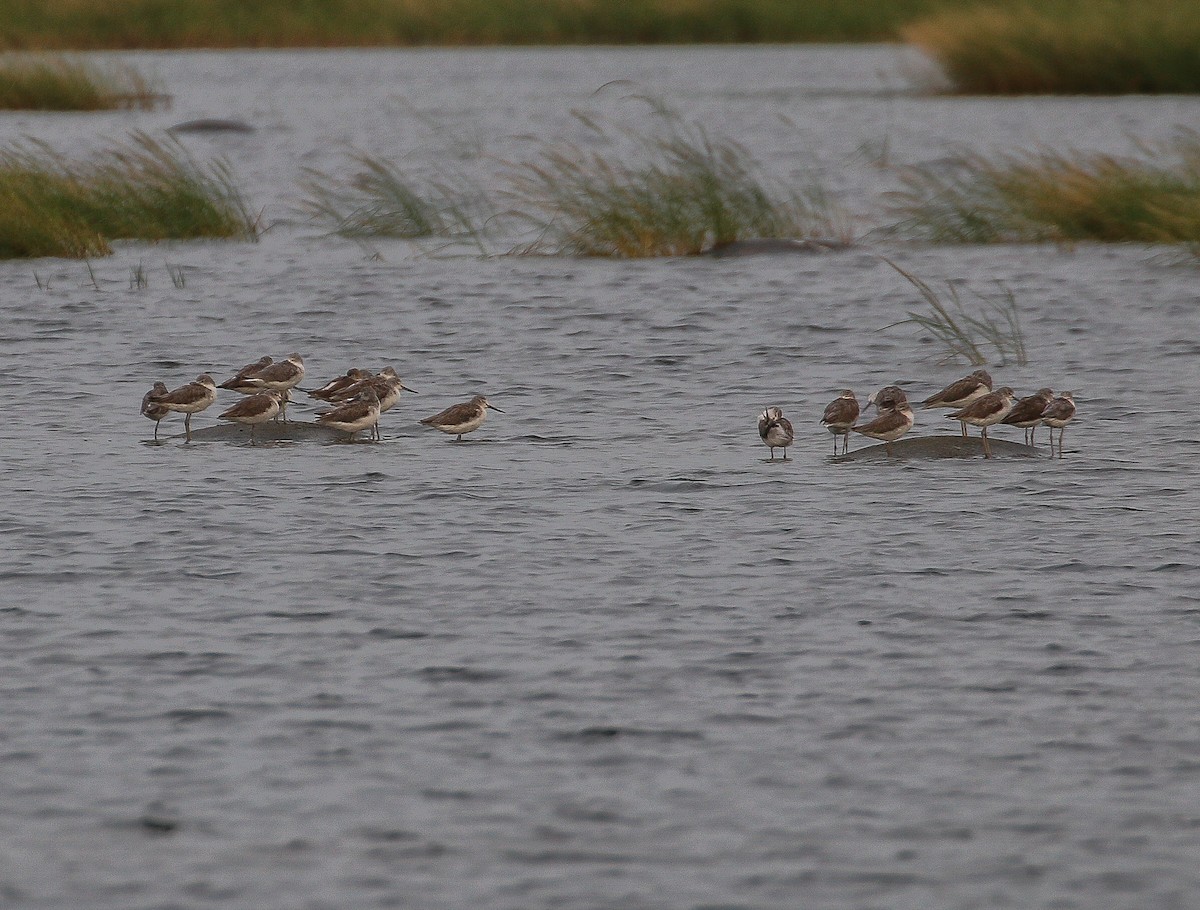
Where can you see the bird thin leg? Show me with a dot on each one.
(963, 424)
(187, 427)
(987, 452)
(1061, 433)
(156, 423)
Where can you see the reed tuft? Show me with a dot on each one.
(966, 335)
(142, 189)
(684, 192)
(1049, 196)
(54, 83)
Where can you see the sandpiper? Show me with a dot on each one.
(775, 430)
(961, 393)
(1059, 413)
(190, 399)
(839, 417)
(986, 411)
(238, 383)
(1027, 413)
(387, 386)
(461, 418)
(152, 408)
(354, 415)
(257, 408)
(889, 398)
(330, 391)
(281, 377)
(892, 422)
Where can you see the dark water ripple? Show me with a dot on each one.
(603, 654)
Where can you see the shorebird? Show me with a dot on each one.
(255, 409)
(839, 417)
(238, 382)
(1059, 413)
(1027, 413)
(281, 377)
(387, 386)
(461, 418)
(190, 399)
(354, 415)
(152, 408)
(775, 430)
(889, 398)
(891, 424)
(330, 391)
(961, 393)
(986, 411)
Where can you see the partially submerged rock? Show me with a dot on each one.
(211, 125)
(948, 446)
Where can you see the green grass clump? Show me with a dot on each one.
(963, 334)
(1066, 47)
(683, 193)
(379, 201)
(144, 189)
(317, 23)
(1048, 196)
(32, 82)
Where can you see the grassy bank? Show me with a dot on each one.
(1066, 47)
(53, 83)
(1051, 196)
(143, 189)
(98, 24)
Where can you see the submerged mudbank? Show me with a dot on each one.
(926, 447)
(772, 246)
(264, 433)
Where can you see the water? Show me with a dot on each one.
(602, 654)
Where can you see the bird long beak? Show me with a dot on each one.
(494, 408)
(407, 389)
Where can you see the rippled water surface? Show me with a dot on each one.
(601, 654)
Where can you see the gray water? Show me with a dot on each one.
(601, 654)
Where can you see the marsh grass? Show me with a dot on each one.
(142, 189)
(673, 192)
(54, 83)
(1065, 46)
(963, 334)
(1049, 196)
(286, 23)
(380, 201)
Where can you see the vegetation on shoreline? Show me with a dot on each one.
(1050, 196)
(1066, 47)
(97, 24)
(54, 83)
(142, 189)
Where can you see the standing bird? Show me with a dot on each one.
(281, 377)
(986, 411)
(354, 415)
(332, 389)
(1059, 413)
(152, 408)
(839, 417)
(387, 386)
(461, 418)
(889, 398)
(892, 422)
(254, 409)
(961, 393)
(1027, 413)
(190, 399)
(775, 430)
(238, 382)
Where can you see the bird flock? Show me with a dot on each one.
(357, 399)
(971, 400)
